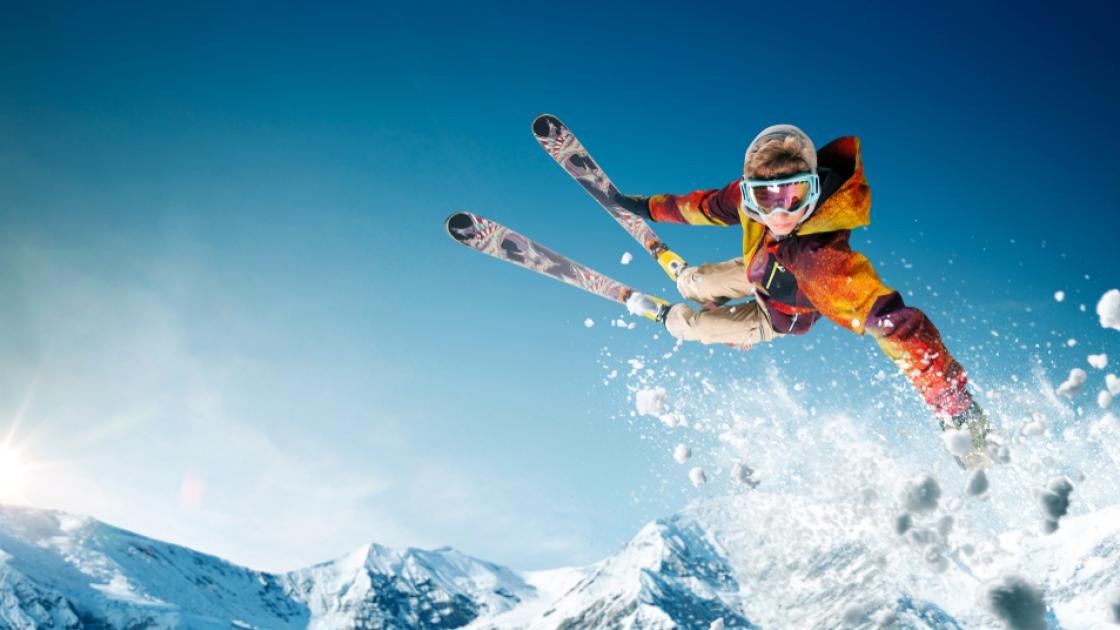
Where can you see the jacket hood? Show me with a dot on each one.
(850, 206)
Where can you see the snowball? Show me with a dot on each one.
(744, 474)
(589, 322)
(1108, 309)
(1072, 385)
(681, 453)
(1035, 426)
(977, 483)
(698, 476)
(1099, 361)
(651, 402)
(626, 258)
(1104, 399)
(1071, 342)
(1054, 502)
(1018, 603)
(1113, 384)
(1059, 296)
(717, 624)
(921, 494)
(958, 441)
(672, 420)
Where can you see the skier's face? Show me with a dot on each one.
(782, 224)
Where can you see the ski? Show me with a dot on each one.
(494, 239)
(560, 143)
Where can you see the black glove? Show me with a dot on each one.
(637, 204)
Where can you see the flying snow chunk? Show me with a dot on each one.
(1108, 309)
(744, 474)
(626, 258)
(698, 476)
(1104, 399)
(1099, 361)
(1059, 296)
(977, 483)
(1054, 502)
(672, 420)
(589, 322)
(921, 494)
(1071, 342)
(1072, 385)
(958, 441)
(651, 402)
(717, 625)
(1113, 384)
(1036, 425)
(681, 453)
(1018, 603)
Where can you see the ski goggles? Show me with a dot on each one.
(788, 195)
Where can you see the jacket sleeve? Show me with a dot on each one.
(842, 285)
(719, 206)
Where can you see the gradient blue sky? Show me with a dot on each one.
(231, 319)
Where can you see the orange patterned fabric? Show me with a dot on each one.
(839, 283)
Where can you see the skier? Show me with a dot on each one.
(797, 207)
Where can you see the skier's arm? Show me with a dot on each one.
(843, 286)
(704, 207)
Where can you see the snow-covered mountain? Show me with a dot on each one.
(752, 560)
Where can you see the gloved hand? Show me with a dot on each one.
(637, 204)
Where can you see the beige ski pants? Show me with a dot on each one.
(743, 324)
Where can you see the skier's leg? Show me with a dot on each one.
(742, 324)
(715, 283)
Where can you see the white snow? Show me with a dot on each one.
(957, 441)
(651, 402)
(717, 624)
(1036, 425)
(1099, 361)
(921, 494)
(1113, 384)
(626, 258)
(682, 453)
(1059, 296)
(698, 476)
(1108, 309)
(743, 474)
(1072, 385)
(589, 322)
(1071, 342)
(672, 420)
(1104, 399)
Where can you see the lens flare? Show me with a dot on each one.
(12, 472)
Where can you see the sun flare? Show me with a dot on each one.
(12, 470)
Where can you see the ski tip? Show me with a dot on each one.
(544, 124)
(460, 226)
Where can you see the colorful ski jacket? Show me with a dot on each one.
(814, 272)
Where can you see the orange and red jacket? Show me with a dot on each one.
(814, 272)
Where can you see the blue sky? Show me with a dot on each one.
(232, 320)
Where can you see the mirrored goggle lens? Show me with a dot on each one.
(788, 197)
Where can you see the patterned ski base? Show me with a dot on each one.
(563, 146)
(501, 242)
